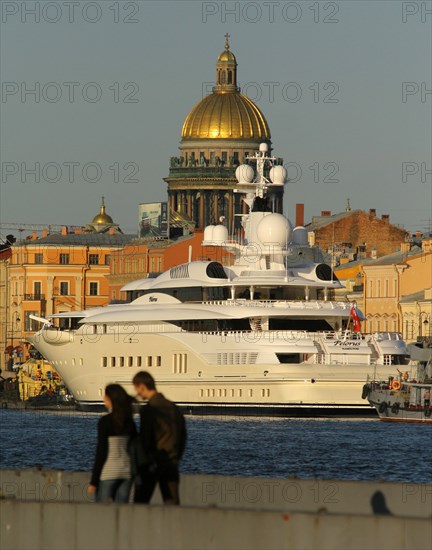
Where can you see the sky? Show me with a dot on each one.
(345, 87)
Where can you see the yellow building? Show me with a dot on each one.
(416, 314)
(397, 295)
(5, 255)
(58, 272)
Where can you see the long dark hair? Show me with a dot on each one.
(121, 408)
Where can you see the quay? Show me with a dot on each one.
(50, 510)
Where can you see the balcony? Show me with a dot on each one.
(34, 297)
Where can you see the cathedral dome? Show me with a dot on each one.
(226, 113)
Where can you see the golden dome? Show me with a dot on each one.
(225, 115)
(102, 217)
(227, 57)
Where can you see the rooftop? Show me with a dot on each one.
(419, 296)
(82, 239)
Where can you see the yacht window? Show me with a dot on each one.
(158, 361)
(288, 357)
(149, 361)
(139, 361)
(290, 323)
(130, 361)
(113, 361)
(104, 361)
(324, 273)
(122, 361)
(215, 270)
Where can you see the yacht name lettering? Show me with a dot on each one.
(349, 344)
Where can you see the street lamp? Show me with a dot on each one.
(15, 315)
(423, 330)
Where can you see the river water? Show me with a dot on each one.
(330, 449)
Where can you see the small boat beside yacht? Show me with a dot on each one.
(407, 396)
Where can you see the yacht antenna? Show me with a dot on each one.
(333, 245)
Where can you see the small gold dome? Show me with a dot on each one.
(225, 115)
(102, 217)
(227, 57)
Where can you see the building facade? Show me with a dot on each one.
(356, 232)
(58, 272)
(397, 293)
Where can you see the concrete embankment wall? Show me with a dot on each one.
(47, 509)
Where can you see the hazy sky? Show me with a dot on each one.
(345, 87)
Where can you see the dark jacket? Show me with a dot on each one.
(163, 429)
(106, 429)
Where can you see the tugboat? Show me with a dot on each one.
(406, 397)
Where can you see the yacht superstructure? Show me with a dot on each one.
(263, 335)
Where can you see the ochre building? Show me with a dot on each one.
(59, 272)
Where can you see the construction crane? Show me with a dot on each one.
(30, 226)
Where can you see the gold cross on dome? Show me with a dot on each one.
(227, 37)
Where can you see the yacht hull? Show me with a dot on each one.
(232, 378)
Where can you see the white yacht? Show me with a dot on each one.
(262, 336)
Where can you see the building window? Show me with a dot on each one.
(38, 258)
(93, 288)
(37, 288)
(64, 259)
(236, 158)
(386, 289)
(378, 290)
(64, 288)
(30, 324)
(93, 259)
(224, 157)
(370, 289)
(107, 259)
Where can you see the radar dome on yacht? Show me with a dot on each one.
(274, 229)
(208, 233)
(300, 235)
(220, 234)
(278, 175)
(263, 147)
(244, 173)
